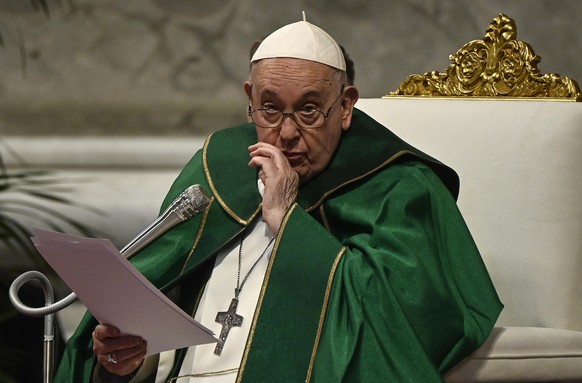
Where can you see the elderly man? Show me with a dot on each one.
(331, 251)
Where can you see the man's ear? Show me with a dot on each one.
(349, 99)
(248, 88)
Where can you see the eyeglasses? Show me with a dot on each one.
(308, 118)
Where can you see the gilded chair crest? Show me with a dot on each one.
(499, 65)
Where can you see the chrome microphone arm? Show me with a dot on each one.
(190, 202)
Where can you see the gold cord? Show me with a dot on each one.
(202, 374)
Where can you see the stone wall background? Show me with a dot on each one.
(176, 67)
(116, 95)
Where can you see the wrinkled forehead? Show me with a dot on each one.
(282, 71)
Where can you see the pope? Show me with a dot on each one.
(331, 250)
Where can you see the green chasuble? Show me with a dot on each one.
(374, 276)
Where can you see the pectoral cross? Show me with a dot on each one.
(228, 319)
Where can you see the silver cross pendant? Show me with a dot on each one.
(228, 319)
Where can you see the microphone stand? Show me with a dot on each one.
(49, 328)
(189, 203)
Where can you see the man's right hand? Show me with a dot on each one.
(280, 180)
(119, 354)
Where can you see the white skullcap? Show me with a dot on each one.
(302, 40)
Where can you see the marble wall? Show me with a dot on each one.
(119, 94)
(157, 67)
(115, 96)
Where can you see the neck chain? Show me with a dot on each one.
(229, 319)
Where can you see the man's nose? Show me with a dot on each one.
(289, 127)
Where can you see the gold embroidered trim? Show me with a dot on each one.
(202, 374)
(499, 65)
(252, 217)
(323, 312)
(215, 191)
(199, 234)
(383, 164)
(197, 303)
(323, 217)
(211, 183)
(262, 295)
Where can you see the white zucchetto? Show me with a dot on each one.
(302, 40)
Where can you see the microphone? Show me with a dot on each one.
(189, 203)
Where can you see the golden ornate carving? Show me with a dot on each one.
(498, 66)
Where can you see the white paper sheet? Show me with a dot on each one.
(117, 293)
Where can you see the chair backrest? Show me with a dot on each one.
(519, 162)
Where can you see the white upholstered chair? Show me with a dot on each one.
(515, 138)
